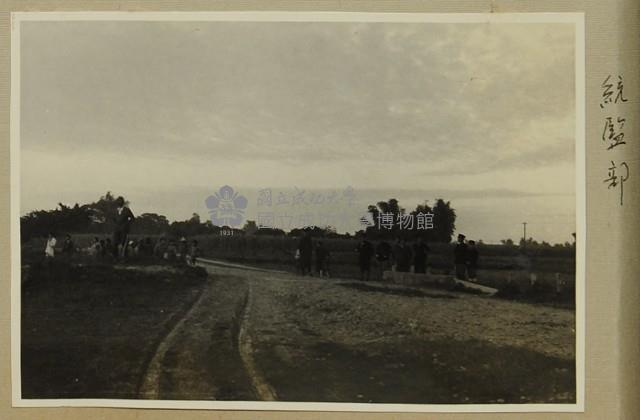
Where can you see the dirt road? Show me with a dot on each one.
(258, 335)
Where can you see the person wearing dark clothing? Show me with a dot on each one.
(183, 249)
(383, 257)
(402, 256)
(472, 260)
(194, 253)
(160, 248)
(365, 253)
(306, 250)
(145, 247)
(123, 219)
(322, 257)
(67, 247)
(108, 247)
(460, 258)
(420, 254)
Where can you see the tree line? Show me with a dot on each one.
(97, 218)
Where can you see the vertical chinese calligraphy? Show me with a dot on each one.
(613, 132)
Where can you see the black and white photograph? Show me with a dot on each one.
(298, 211)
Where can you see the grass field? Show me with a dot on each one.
(89, 330)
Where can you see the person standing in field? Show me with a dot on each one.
(67, 246)
(50, 247)
(460, 258)
(383, 258)
(472, 260)
(322, 255)
(402, 256)
(194, 253)
(108, 248)
(123, 220)
(183, 250)
(160, 248)
(365, 253)
(420, 254)
(306, 249)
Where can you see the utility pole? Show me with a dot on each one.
(524, 235)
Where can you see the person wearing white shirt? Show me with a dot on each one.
(49, 250)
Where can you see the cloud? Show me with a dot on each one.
(295, 91)
(472, 110)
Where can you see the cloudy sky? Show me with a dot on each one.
(165, 113)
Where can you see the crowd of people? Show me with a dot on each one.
(104, 249)
(401, 256)
(121, 246)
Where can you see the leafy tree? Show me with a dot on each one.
(151, 223)
(443, 221)
(250, 227)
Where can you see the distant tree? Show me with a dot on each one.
(375, 212)
(150, 223)
(250, 227)
(444, 221)
(63, 219)
(315, 231)
(530, 242)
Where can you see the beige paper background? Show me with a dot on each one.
(612, 293)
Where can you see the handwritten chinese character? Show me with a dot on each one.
(613, 133)
(607, 94)
(614, 179)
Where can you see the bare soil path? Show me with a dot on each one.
(260, 335)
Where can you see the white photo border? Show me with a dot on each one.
(578, 19)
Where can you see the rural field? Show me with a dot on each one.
(150, 329)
